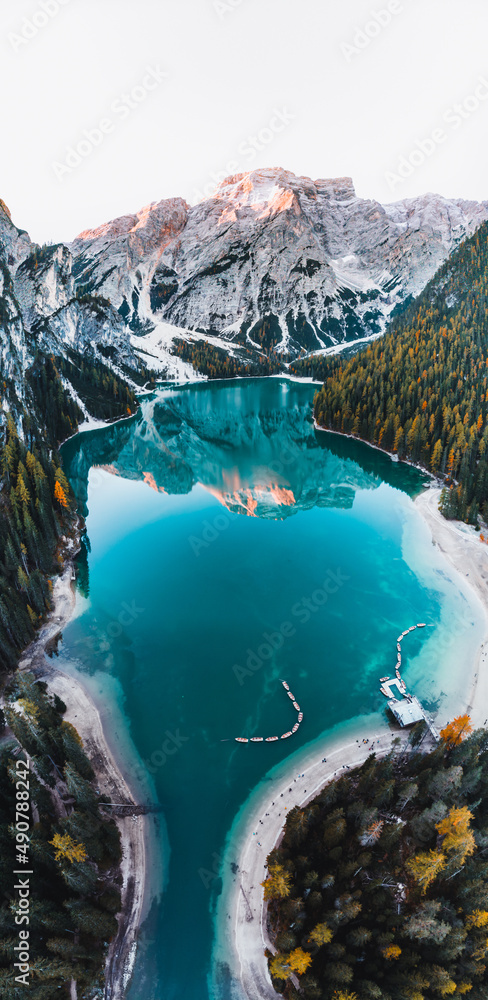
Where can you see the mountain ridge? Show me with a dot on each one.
(275, 261)
(270, 268)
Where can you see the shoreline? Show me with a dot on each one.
(467, 555)
(84, 713)
(242, 909)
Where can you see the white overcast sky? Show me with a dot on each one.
(229, 66)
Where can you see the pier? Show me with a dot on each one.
(406, 709)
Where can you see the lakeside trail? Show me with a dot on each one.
(246, 911)
(84, 714)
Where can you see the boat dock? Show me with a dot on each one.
(405, 707)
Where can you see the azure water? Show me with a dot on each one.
(230, 545)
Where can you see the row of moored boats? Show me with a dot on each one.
(398, 675)
(285, 736)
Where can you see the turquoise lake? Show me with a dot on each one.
(229, 545)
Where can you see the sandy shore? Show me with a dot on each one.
(243, 912)
(460, 544)
(84, 713)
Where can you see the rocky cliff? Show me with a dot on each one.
(271, 263)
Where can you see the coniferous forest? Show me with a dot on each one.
(421, 391)
(74, 846)
(379, 888)
(72, 843)
(214, 362)
(37, 509)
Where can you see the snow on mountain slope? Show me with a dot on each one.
(270, 263)
(272, 260)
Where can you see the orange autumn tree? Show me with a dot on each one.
(299, 961)
(456, 731)
(392, 952)
(425, 867)
(277, 884)
(60, 495)
(458, 837)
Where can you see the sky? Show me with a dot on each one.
(108, 105)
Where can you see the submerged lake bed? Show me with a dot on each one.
(231, 546)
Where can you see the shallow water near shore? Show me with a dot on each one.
(230, 545)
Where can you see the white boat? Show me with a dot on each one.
(295, 727)
(400, 637)
(286, 735)
(241, 739)
(296, 705)
(385, 691)
(405, 633)
(399, 647)
(271, 739)
(292, 696)
(383, 679)
(422, 625)
(257, 739)
(412, 628)
(300, 717)
(285, 685)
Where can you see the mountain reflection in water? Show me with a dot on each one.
(256, 451)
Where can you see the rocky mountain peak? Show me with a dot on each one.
(271, 262)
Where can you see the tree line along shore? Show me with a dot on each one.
(73, 843)
(378, 889)
(421, 391)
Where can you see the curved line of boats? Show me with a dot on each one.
(384, 690)
(273, 739)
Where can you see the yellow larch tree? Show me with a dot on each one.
(321, 934)
(458, 837)
(67, 848)
(425, 867)
(478, 918)
(277, 884)
(279, 967)
(299, 961)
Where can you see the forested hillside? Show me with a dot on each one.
(37, 510)
(379, 888)
(52, 824)
(215, 362)
(421, 391)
